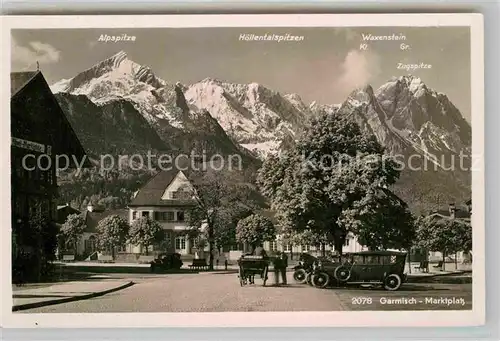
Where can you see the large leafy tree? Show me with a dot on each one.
(146, 232)
(445, 235)
(72, 230)
(112, 232)
(221, 197)
(254, 230)
(322, 182)
(380, 209)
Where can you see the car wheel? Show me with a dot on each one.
(342, 274)
(300, 276)
(320, 280)
(392, 282)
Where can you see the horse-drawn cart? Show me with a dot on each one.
(249, 266)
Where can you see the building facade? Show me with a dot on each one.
(166, 198)
(39, 132)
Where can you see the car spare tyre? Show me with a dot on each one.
(300, 276)
(342, 273)
(392, 282)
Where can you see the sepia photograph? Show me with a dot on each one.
(251, 167)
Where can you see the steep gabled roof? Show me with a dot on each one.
(92, 219)
(35, 115)
(459, 214)
(19, 79)
(151, 194)
(63, 211)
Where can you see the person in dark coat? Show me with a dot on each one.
(283, 266)
(276, 268)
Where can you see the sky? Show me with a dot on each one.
(325, 66)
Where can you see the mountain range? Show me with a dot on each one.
(119, 106)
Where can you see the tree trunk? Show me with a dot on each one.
(338, 244)
(409, 261)
(291, 251)
(444, 261)
(113, 252)
(456, 261)
(323, 250)
(147, 249)
(75, 251)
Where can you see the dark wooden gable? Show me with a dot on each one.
(36, 116)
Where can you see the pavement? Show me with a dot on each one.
(35, 296)
(221, 292)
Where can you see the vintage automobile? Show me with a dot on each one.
(311, 270)
(373, 268)
(303, 270)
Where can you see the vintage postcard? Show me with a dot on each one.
(243, 170)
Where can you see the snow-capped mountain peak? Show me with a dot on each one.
(117, 69)
(117, 78)
(251, 113)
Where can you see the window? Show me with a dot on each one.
(287, 248)
(157, 216)
(19, 168)
(371, 260)
(20, 204)
(168, 216)
(180, 243)
(180, 195)
(358, 259)
(134, 215)
(273, 245)
(180, 215)
(346, 243)
(145, 213)
(304, 248)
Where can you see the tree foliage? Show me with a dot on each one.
(72, 230)
(323, 182)
(112, 232)
(34, 244)
(444, 235)
(254, 230)
(380, 210)
(146, 232)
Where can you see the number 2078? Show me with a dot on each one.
(361, 300)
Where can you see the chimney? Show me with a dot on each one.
(452, 210)
(90, 208)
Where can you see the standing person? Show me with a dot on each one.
(284, 265)
(276, 268)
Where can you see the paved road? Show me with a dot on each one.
(206, 292)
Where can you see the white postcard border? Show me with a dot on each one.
(474, 317)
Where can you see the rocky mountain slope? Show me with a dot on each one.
(424, 131)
